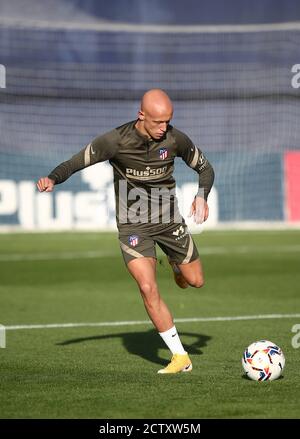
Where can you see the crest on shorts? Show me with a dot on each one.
(133, 240)
(163, 153)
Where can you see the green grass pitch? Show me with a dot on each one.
(110, 371)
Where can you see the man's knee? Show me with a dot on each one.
(148, 290)
(193, 273)
(196, 282)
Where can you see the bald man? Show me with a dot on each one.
(142, 154)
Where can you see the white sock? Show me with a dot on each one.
(172, 340)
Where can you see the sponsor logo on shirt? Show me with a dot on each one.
(147, 174)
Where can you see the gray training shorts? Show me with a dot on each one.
(174, 240)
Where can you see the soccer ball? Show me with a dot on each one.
(263, 360)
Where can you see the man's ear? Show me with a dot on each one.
(141, 115)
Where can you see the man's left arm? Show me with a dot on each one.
(196, 160)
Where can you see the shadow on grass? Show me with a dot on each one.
(146, 344)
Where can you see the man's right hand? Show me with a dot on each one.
(45, 184)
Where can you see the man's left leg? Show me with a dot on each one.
(192, 273)
(183, 256)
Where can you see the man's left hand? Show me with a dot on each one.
(199, 210)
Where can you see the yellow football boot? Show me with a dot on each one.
(179, 363)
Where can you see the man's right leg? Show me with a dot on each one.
(143, 271)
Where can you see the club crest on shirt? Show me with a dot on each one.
(163, 153)
(133, 240)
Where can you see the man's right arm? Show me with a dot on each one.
(100, 149)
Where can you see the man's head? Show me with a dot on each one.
(155, 113)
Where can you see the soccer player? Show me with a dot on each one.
(142, 154)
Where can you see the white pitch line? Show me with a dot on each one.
(147, 322)
(147, 28)
(90, 254)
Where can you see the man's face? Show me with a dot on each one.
(156, 123)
